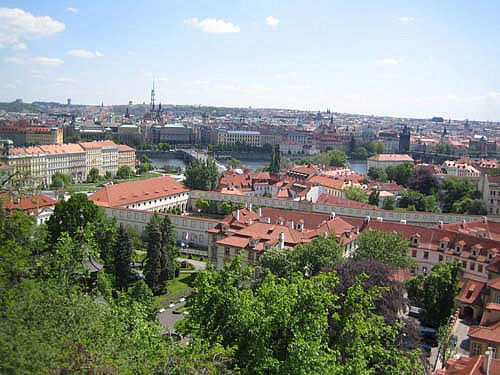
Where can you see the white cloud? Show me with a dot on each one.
(65, 80)
(213, 25)
(493, 95)
(16, 24)
(406, 19)
(72, 10)
(272, 21)
(38, 60)
(19, 46)
(390, 61)
(84, 54)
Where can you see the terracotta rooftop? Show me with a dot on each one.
(486, 333)
(469, 366)
(392, 157)
(336, 201)
(137, 191)
(330, 182)
(125, 148)
(470, 291)
(31, 203)
(97, 144)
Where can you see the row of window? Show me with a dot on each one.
(472, 265)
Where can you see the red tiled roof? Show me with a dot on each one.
(475, 228)
(486, 333)
(495, 266)
(137, 191)
(336, 201)
(97, 144)
(470, 292)
(392, 157)
(469, 366)
(494, 283)
(125, 148)
(400, 275)
(333, 183)
(30, 203)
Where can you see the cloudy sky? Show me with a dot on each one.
(407, 58)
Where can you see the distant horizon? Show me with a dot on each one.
(258, 108)
(385, 58)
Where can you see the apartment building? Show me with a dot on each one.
(102, 155)
(454, 168)
(230, 137)
(250, 233)
(126, 156)
(32, 135)
(489, 186)
(159, 194)
(39, 163)
(388, 160)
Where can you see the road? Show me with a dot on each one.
(197, 264)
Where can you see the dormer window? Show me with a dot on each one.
(415, 240)
(443, 244)
(458, 249)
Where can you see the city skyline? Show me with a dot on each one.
(406, 60)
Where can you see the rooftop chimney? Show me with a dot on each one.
(403, 221)
(487, 360)
(485, 219)
(332, 215)
(260, 211)
(269, 220)
(367, 219)
(238, 215)
(441, 224)
(282, 241)
(380, 218)
(250, 207)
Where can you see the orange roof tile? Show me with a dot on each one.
(486, 333)
(392, 157)
(137, 191)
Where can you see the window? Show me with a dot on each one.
(227, 251)
(424, 270)
(464, 264)
(472, 266)
(497, 298)
(426, 255)
(479, 268)
(440, 258)
(414, 253)
(475, 349)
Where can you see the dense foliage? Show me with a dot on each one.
(388, 248)
(356, 193)
(435, 293)
(201, 175)
(61, 180)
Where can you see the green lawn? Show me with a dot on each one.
(177, 288)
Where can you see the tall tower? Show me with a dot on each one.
(404, 140)
(153, 97)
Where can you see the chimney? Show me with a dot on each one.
(250, 207)
(332, 215)
(269, 220)
(367, 219)
(238, 215)
(260, 211)
(485, 219)
(487, 360)
(282, 241)
(380, 219)
(441, 224)
(403, 221)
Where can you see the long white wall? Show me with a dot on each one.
(195, 227)
(419, 218)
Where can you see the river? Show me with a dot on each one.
(358, 166)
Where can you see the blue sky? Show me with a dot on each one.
(405, 58)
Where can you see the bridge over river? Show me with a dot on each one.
(187, 155)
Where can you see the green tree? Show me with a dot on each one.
(203, 205)
(201, 175)
(388, 248)
(276, 160)
(360, 153)
(153, 266)
(337, 158)
(233, 163)
(377, 174)
(145, 165)
(374, 198)
(401, 174)
(435, 293)
(93, 175)
(455, 189)
(321, 253)
(169, 250)
(124, 172)
(356, 194)
(469, 206)
(122, 258)
(421, 202)
(60, 180)
(424, 182)
(389, 203)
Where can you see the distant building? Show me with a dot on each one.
(230, 137)
(404, 141)
(173, 134)
(69, 101)
(159, 194)
(40, 206)
(453, 168)
(388, 160)
(32, 135)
